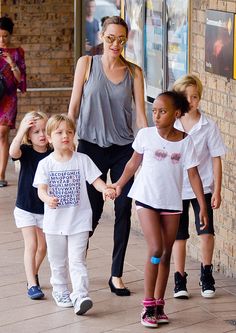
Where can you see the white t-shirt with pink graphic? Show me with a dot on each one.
(67, 181)
(160, 179)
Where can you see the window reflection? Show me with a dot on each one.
(154, 47)
(95, 13)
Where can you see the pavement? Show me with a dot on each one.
(110, 313)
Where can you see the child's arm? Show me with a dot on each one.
(101, 186)
(196, 184)
(217, 171)
(131, 167)
(15, 151)
(52, 202)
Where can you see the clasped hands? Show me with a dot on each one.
(112, 191)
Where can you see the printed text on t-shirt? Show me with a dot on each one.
(65, 185)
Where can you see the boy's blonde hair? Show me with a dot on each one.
(36, 114)
(55, 120)
(188, 80)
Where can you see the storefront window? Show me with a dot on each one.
(153, 41)
(134, 17)
(95, 13)
(177, 39)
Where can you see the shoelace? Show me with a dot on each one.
(208, 282)
(64, 297)
(150, 312)
(208, 286)
(181, 282)
(35, 288)
(180, 285)
(160, 310)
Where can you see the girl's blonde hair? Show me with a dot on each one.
(36, 114)
(185, 81)
(55, 120)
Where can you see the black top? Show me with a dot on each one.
(27, 196)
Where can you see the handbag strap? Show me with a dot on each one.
(88, 68)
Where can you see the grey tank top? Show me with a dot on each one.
(106, 108)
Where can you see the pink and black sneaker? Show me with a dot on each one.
(161, 317)
(148, 315)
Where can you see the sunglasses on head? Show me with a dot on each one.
(110, 39)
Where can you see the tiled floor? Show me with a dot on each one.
(110, 313)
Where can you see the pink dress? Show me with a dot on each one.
(8, 103)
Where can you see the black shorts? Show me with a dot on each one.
(158, 210)
(183, 232)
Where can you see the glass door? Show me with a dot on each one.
(153, 48)
(177, 40)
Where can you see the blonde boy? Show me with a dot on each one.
(61, 180)
(209, 147)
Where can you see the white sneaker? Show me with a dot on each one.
(62, 299)
(82, 305)
(208, 293)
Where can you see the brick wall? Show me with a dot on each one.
(44, 28)
(219, 102)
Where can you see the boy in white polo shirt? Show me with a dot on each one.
(209, 147)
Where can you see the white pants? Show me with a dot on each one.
(64, 251)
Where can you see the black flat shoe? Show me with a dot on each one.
(118, 291)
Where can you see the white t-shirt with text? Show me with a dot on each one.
(67, 181)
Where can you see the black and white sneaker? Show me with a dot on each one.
(207, 281)
(180, 290)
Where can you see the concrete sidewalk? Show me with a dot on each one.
(110, 313)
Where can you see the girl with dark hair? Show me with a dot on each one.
(13, 76)
(163, 153)
(104, 106)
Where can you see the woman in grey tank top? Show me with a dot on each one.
(103, 105)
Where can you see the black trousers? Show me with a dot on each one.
(113, 158)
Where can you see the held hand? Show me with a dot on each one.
(117, 188)
(109, 193)
(52, 202)
(215, 200)
(204, 219)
